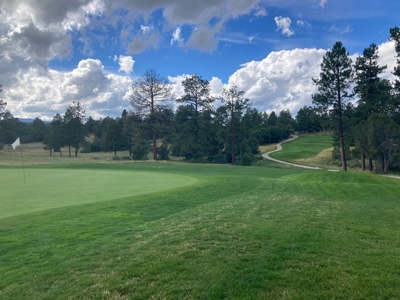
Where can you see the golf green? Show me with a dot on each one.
(49, 188)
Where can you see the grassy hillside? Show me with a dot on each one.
(235, 233)
(307, 148)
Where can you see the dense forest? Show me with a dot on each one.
(353, 101)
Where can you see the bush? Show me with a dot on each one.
(8, 136)
(246, 160)
(139, 152)
(218, 159)
(163, 152)
(96, 145)
(89, 147)
(336, 153)
(197, 158)
(85, 147)
(354, 163)
(187, 156)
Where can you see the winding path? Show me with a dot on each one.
(279, 148)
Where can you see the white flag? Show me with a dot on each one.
(16, 143)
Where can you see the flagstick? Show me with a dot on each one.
(22, 160)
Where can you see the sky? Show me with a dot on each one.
(54, 52)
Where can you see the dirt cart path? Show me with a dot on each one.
(279, 148)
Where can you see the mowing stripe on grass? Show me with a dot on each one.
(306, 146)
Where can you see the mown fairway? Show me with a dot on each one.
(235, 233)
(305, 146)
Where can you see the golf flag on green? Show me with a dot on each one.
(16, 143)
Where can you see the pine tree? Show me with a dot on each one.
(395, 36)
(74, 129)
(334, 88)
(235, 105)
(197, 95)
(373, 93)
(149, 96)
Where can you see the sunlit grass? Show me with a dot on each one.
(309, 149)
(236, 233)
(50, 188)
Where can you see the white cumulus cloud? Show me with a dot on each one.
(284, 25)
(146, 29)
(387, 54)
(176, 36)
(282, 80)
(302, 23)
(260, 12)
(43, 93)
(125, 63)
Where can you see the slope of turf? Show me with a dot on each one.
(239, 233)
(305, 146)
(47, 188)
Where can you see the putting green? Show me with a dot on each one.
(49, 188)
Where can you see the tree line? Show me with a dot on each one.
(195, 129)
(352, 100)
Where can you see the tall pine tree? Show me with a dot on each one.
(373, 93)
(149, 96)
(334, 88)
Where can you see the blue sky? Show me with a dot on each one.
(54, 52)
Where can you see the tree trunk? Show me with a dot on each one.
(383, 164)
(69, 150)
(363, 161)
(370, 164)
(387, 165)
(343, 154)
(115, 153)
(154, 146)
(76, 151)
(50, 152)
(60, 153)
(233, 140)
(196, 131)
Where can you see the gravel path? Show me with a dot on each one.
(279, 148)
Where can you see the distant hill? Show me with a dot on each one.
(23, 120)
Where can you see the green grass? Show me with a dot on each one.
(235, 233)
(304, 147)
(49, 188)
